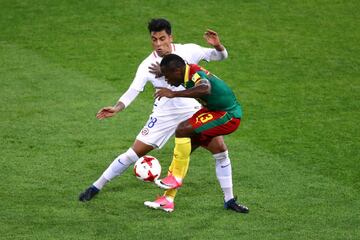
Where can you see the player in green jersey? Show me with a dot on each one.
(220, 115)
(220, 106)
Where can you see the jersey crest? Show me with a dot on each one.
(195, 78)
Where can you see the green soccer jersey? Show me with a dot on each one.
(221, 97)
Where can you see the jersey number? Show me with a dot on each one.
(204, 117)
(152, 122)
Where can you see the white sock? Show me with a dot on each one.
(224, 174)
(117, 167)
(99, 184)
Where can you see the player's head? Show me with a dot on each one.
(158, 25)
(160, 33)
(173, 68)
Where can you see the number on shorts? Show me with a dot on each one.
(152, 122)
(205, 117)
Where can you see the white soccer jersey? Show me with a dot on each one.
(192, 54)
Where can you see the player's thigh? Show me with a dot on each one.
(219, 127)
(213, 123)
(184, 129)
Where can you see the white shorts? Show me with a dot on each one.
(159, 129)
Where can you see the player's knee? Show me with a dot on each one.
(217, 145)
(222, 147)
(217, 149)
(180, 133)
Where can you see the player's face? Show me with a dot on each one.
(161, 42)
(173, 77)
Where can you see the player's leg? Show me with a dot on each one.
(210, 137)
(123, 162)
(181, 157)
(202, 121)
(155, 133)
(223, 171)
(166, 202)
(116, 168)
(177, 169)
(171, 193)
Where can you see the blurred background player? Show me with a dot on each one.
(220, 115)
(167, 113)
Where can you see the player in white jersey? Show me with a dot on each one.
(167, 113)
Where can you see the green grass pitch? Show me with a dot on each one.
(294, 65)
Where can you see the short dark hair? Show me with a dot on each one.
(158, 25)
(172, 61)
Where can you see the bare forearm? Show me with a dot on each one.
(195, 92)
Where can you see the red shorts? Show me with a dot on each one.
(209, 124)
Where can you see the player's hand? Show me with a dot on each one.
(106, 112)
(155, 69)
(163, 92)
(213, 39)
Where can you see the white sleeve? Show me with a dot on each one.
(141, 77)
(137, 85)
(129, 96)
(216, 55)
(208, 54)
(211, 54)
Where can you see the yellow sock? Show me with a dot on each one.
(181, 157)
(180, 162)
(170, 193)
(171, 168)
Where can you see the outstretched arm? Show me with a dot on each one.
(219, 52)
(123, 102)
(110, 111)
